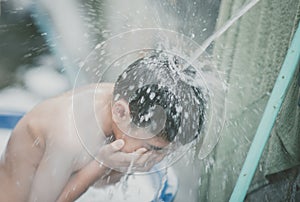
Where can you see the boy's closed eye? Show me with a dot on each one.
(154, 148)
(157, 149)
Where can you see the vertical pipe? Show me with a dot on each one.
(261, 137)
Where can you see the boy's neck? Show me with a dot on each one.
(104, 109)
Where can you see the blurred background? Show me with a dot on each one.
(43, 42)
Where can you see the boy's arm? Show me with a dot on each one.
(88, 175)
(94, 171)
(81, 181)
(20, 160)
(51, 177)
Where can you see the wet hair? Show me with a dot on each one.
(157, 81)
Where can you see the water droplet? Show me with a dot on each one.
(124, 75)
(117, 97)
(152, 95)
(131, 87)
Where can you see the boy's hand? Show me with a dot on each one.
(140, 160)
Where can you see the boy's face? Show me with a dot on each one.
(134, 138)
(133, 143)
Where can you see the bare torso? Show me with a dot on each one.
(53, 141)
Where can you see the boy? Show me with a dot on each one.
(54, 154)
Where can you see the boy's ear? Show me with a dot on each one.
(120, 111)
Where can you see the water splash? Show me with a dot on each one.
(223, 29)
